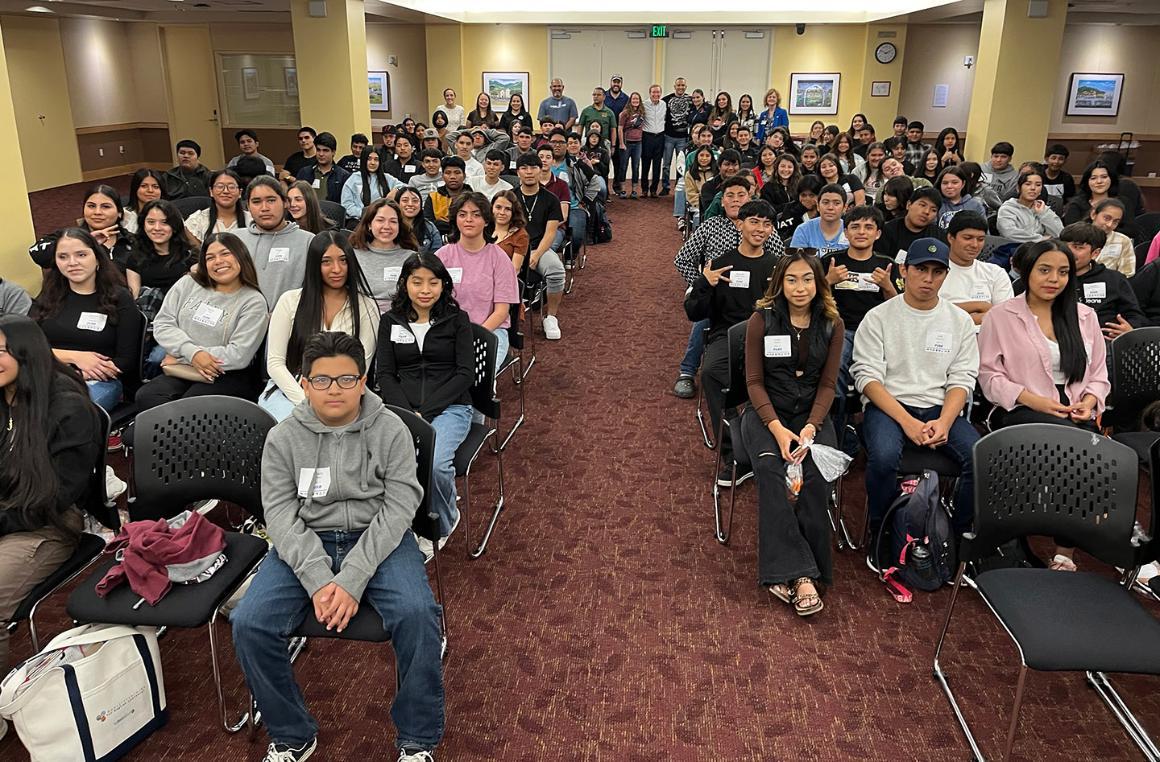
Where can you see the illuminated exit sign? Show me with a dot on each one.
(659, 30)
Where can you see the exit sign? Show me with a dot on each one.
(659, 30)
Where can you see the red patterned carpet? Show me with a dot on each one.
(605, 623)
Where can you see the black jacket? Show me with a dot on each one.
(334, 180)
(1146, 285)
(182, 184)
(792, 395)
(433, 379)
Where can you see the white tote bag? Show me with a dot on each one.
(92, 694)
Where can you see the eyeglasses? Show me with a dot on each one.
(225, 188)
(322, 383)
(557, 142)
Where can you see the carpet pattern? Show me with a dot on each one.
(605, 622)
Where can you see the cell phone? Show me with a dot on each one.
(798, 453)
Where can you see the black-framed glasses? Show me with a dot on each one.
(322, 383)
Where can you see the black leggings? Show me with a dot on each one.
(232, 383)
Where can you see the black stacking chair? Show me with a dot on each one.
(484, 400)
(514, 362)
(736, 394)
(89, 546)
(124, 412)
(191, 204)
(333, 211)
(189, 450)
(701, 413)
(534, 294)
(1044, 479)
(1135, 370)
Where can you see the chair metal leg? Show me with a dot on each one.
(701, 419)
(1015, 712)
(843, 536)
(721, 530)
(496, 508)
(1124, 715)
(941, 677)
(217, 680)
(517, 377)
(32, 629)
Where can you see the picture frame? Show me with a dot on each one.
(814, 92)
(501, 85)
(879, 89)
(251, 88)
(290, 74)
(379, 86)
(1094, 94)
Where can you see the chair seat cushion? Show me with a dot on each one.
(1140, 441)
(88, 547)
(365, 625)
(1073, 621)
(915, 460)
(183, 606)
(467, 451)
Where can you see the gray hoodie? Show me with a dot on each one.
(997, 187)
(317, 478)
(279, 257)
(381, 268)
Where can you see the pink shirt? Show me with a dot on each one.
(1153, 250)
(482, 280)
(1014, 356)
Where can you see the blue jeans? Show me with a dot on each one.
(679, 203)
(105, 394)
(672, 146)
(578, 224)
(276, 604)
(694, 349)
(631, 151)
(884, 442)
(153, 362)
(451, 427)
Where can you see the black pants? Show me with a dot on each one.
(233, 383)
(714, 379)
(617, 174)
(652, 150)
(1001, 418)
(793, 538)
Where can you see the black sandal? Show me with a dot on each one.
(808, 604)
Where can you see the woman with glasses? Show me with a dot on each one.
(227, 212)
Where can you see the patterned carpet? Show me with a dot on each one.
(605, 623)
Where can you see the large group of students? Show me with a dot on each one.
(326, 286)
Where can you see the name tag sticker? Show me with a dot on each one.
(279, 254)
(900, 257)
(313, 482)
(512, 164)
(92, 321)
(1095, 291)
(401, 335)
(208, 315)
(938, 342)
(978, 295)
(738, 278)
(777, 346)
(391, 274)
(316, 184)
(410, 169)
(456, 274)
(1111, 251)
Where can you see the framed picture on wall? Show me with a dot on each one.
(1094, 94)
(814, 93)
(879, 89)
(379, 83)
(500, 86)
(251, 90)
(290, 73)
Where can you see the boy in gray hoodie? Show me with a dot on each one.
(277, 245)
(340, 491)
(999, 176)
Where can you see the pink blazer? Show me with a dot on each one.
(1013, 356)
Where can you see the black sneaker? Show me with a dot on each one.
(664, 191)
(685, 388)
(725, 477)
(280, 752)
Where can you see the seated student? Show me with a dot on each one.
(1104, 290)
(247, 141)
(162, 253)
(915, 363)
(780, 189)
(728, 165)
(746, 148)
(226, 214)
(703, 169)
(829, 167)
(545, 217)
(798, 212)
(406, 162)
(724, 294)
(340, 493)
(809, 159)
(896, 148)
(382, 242)
(952, 183)
(101, 216)
(50, 435)
(825, 232)
(464, 149)
(916, 150)
(353, 160)
(432, 176)
(302, 207)
(917, 222)
(189, 178)
(438, 204)
(893, 198)
(998, 176)
(1101, 180)
(426, 363)
(427, 236)
(210, 325)
(324, 176)
(1118, 252)
(1057, 183)
(369, 183)
(275, 247)
(791, 387)
(431, 140)
(13, 299)
(334, 297)
(972, 286)
(88, 316)
(144, 186)
(483, 276)
(302, 158)
(1027, 217)
(493, 165)
(523, 144)
(509, 229)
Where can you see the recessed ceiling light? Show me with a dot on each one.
(38, 9)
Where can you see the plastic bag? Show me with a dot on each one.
(831, 462)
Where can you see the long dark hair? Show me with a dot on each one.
(421, 231)
(55, 288)
(401, 303)
(379, 174)
(308, 316)
(1113, 175)
(481, 203)
(28, 484)
(519, 216)
(1064, 308)
(108, 192)
(135, 183)
(901, 188)
(179, 248)
(823, 304)
(938, 143)
(239, 205)
(312, 221)
(362, 237)
(695, 168)
(249, 273)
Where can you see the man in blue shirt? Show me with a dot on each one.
(558, 108)
(616, 99)
(824, 232)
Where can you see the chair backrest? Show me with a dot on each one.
(1048, 479)
(1148, 225)
(1141, 250)
(96, 496)
(196, 449)
(426, 523)
(1135, 370)
(515, 334)
(191, 204)
(736, 393)
(483, 396)
(334, 212)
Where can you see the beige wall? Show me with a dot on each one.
(1127, 50)
(100, 69)
(822, 49)
(252, 38)
(408, 43)
(934, 55)
(148, 72)
(15, 264)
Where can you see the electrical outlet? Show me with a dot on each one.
(122, 149)
(100, 152)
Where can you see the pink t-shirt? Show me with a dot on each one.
(482, 280)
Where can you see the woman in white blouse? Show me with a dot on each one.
(227, 213)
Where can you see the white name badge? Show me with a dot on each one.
(92, 321)
(316, 184)
(738, 279)
(401, 335)
(1111, 251)
(938, 342)
(208, 315)
(900, 257)
(391, 274)
(410, 169)
(866, 282)
(319, 478)
(980, 296)
(279, 254)
(777, 346)
(846, 187)
(1053, 190)
(1095, 291)
(512, 164)
(456, 274)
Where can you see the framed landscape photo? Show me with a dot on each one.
(379, 84)
(1090, 94)
(502, 85)
(814, 93)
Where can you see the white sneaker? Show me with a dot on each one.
(427, 548)
(3, 729)
(551, 328)
(415, 756)
(114, 487)
(443, 540)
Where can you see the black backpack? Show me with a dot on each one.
(599, 226)
(919, 550)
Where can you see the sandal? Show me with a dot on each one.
(782, 592)
(1062, 563)
(809, 603)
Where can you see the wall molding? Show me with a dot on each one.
(121, 169)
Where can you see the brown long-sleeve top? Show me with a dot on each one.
(787, 375)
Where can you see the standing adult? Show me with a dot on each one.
(600, 113)
(678, 109)
(653, 143)
(773, 115)
(456, 117)
(616, 99)
(559, 108)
